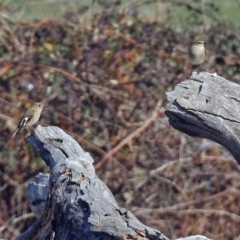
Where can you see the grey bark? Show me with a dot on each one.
(71, 203)
(207, 106)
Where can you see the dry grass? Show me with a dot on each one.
(105, 85)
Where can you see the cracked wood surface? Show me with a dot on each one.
(207, 106)
(72, 202)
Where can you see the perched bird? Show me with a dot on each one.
(197, 54)
(30, 117)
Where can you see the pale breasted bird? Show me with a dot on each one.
(197, 54)
(30, 117)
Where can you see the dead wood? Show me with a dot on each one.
(207, 106)
(72, 202)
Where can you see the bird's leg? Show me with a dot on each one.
(195, 67)
(198, 69)
(28, 133)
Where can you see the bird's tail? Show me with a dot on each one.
(17, 130)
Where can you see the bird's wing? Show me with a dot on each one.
(26, 117)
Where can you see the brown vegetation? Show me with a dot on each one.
(105, 85)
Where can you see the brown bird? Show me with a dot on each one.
(29, 118)
(197, 54)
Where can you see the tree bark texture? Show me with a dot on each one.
(207, 106)
(72, 202)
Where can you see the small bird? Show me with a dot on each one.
(29, 118)
(197, 54)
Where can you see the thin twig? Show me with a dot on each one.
(156, 113)
(180, 206)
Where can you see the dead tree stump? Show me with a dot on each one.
(72, 202)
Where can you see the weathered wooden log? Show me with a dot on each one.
(207, 106)
(72, 202)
